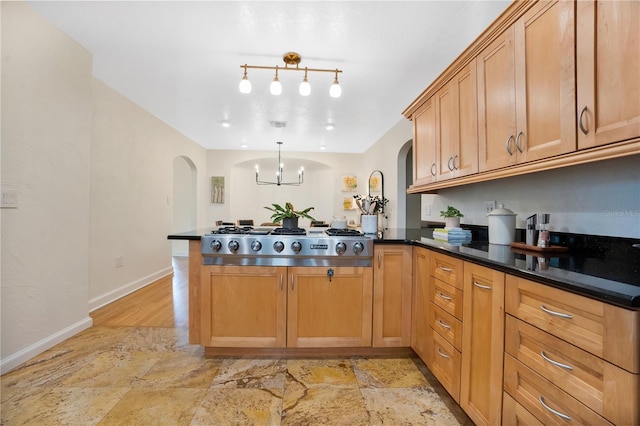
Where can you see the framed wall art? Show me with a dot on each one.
(349, 183)
(217, 189)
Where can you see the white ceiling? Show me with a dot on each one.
(181, 61)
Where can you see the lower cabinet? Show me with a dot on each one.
(420, 334)
(276, 307)
(482, 344)
(392, 295)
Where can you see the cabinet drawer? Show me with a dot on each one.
(515, 414)
(445, 365)
(446, 325)
(604, 330)
(577, 372)
(446, 297)
(447, 269)
(541, 398)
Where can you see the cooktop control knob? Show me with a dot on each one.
(296, 246)
(233, 245)
(358, 247)
(341, 247)
(256, 245)
(216, 245)
(278, 246)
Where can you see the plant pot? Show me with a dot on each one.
(370, 223)
(451, 222)
(290, 222)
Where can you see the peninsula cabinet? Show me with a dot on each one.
(526, 89)
(608, 70)
(392, 295)
(568, 358)
(277, 307)
(482, 344)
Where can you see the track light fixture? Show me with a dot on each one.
(279, 173)
(291, 61)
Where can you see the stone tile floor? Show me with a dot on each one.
(152, 376)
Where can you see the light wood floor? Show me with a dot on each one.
(161, 304)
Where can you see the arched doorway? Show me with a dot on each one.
(411, 202)
(184, 202)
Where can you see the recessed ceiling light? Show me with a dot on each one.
(225, 123)
(322, 148)
(329, 126)
(244, 146)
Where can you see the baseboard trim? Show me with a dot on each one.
(14, 360)
(117, 293)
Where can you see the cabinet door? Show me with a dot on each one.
(496, 104)
(329, 307)
(545, 81)
(446, 123)
(482, 344)
(392, 296)
(608, 66)
(243, 306)
(420, 341)
(424, 144)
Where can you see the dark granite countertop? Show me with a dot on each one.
(602, 268)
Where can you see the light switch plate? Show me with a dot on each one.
(9, 199)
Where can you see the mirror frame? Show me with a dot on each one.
(381, 185)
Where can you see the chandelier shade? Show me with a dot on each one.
(292, 61)
(279, 174)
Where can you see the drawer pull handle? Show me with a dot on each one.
(280, 281)
(557, 413)
(556, 363)
(443, 325)
(445, 269)
(554, 313)
(486, 287)
(442, 296)
(443, 355)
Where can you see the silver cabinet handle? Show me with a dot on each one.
(433, 169)
(556, 363)
(443, 325)
(554, 313)
(443, 355)
(486, 287)
(442, 268)
(582, 128)
(442, 296)
(292, 282)
(455, 167)
(507, 145)
(518, 141)
(557, 413)
(379, 260)
(281, 281)
(449, 164)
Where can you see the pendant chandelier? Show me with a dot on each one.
(293, 59)
(279, 173)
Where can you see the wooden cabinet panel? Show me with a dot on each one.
(243, 306)
(515, 414)
(447, 269)
(445, 365)
(420, 340)
(392, 296)
(446, 122)
(446, 297)
(544, 400)
(604, 330)
(329, 311)
(482, 344)
(608, 66)
(608, 390)
(447, 326)
(497, 104)
(424, 144)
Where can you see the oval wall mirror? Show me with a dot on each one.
(376, 185)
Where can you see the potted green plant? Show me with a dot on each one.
(451, 217)
(288, 215)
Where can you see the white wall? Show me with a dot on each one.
(601, 198)
(46, 131)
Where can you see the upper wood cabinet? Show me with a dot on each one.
(608, 69)
(457, 125)
(526, 89)
(392, 296)
(424, 144)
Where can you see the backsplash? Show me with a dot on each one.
(601, 198)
